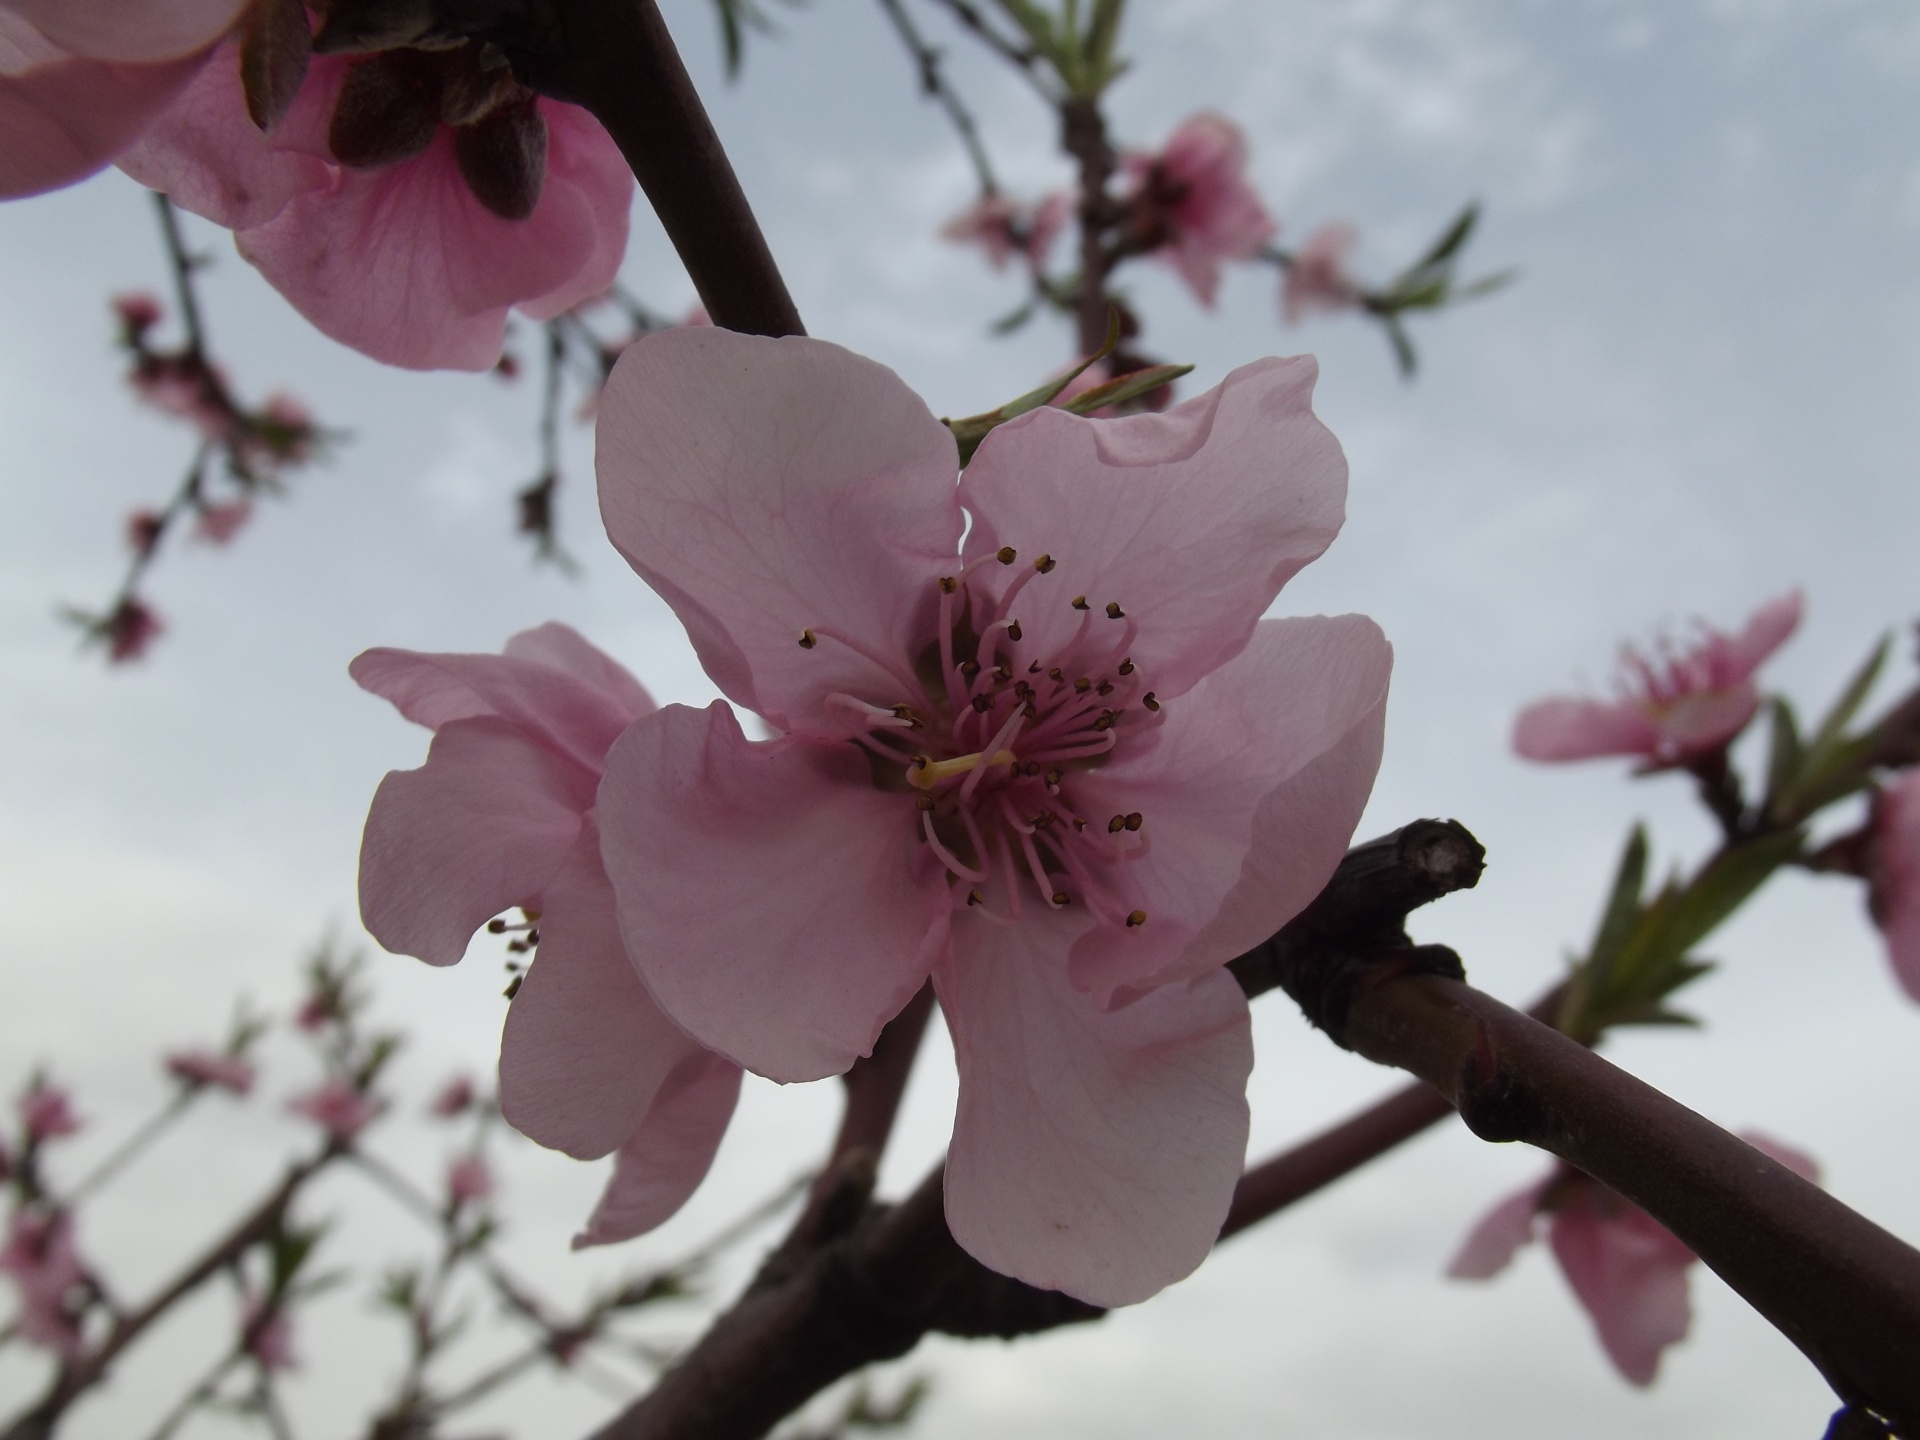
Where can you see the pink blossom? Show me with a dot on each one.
(1192, 205)
(455, 1098)
(1627, 1270)
(187, 387)
(130, 630)
(80, 80)
(399, 258)
(201, 1067)
(41, 1258)
(1066, 770)
(143, 530)
(501, 815)
(47, 1113)
(1003, 228)
(469, 1178)
(1673, 705)
(1896, 880)
(337, 1107)
(218, 524)
(1318, 278)
(138, 310)
(268, 1340)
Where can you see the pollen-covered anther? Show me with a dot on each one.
(1013, 630)
(1083, 684)
(1006, 554)
(1060, 899)
(807, 640)
(1043, 564)
(1056, 674)
(1080, 603)
(1104, 688)
(1116, 824)
(948, 584)
(969, 668)
(983, 703)
(1002, 674)
(974, 897)
(1054, 777)
(1136, 919)
(1134, 821)
(924, 802)
(1079, 822)
(905, 712)
(1126, 667)
(1105, 722)
(1148, 701)
(1114, 612)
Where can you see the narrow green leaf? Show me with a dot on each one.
(1127, 387)
(1402, 346)
(1453, 237)
(1012, 320)
(1848, 705)
(970, 430)
(1622, 910)
(1487, 284)
(1784, 754)
(1683, 916)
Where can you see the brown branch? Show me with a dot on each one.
(1083, 135)
(876, 1083)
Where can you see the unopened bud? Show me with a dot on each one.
(388, 111)
(503, 158)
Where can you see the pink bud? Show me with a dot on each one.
(269, 1341)
(204, 1067)
(454, 1098)
(218, 524)
(468, 1179)
(143, 530)
(130, 630)
(138, 310)
(337, 1108)
(47, 1113)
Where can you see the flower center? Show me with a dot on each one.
(996, 732)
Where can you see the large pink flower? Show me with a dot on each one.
(1192, 205)
(399, 258)
(1627, 1269)
(1673, 705)
(1896, 881)
(501, 815)
(80, 79)
(1064, 768)
(41, 1258)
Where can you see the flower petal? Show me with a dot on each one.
(660, 1167)
(564, 648)
(1491, 1245)
(133, 30)
(1190, 520)
(1567, 729)
(765, 487)
(1251, 790)
(1631, 1275)
(1771, 626)
(585, 1051)
(1093, 1152)
(483, 825)
(1896, 888)
(65, 120)
(777, 905)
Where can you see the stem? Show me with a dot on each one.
(133, 1145)
(617, 59)
(877, 1082)
(1083, 135)
(183, 265)
(933, 84)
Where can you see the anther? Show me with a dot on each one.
(1079, 822)
(905, 712)
(1043, 564)
(1083, 684)
(1029, 768)
(1030, 711)
(983, 703)
(1002, 674)
(1013, 630)
(1116, 825)
(1056, 673)
(1042, 820)
(974, 897)
(1105, 722)
(496, 927)
(1126, 667)
(1080, 602)
(1006, 555)
(1148, 701)
(925, 802)
(969, 668)
(1135, 820)
(807, 642)
(1104, 688)
(513, 987)
(1060, 899)
(1034, 668)
(948, 584)
(920, 762)
(1136, 919)
(1114, 612)
(1053, 778)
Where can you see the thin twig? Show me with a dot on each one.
(182, 264)
(934, 85)
(133, 1145)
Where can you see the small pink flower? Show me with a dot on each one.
(143, 530)
(270, 1340)
(1674, 705)
(47, 1113)
(468, 1179)
(394, 251)
(1318, 278)
(187, 388)
(1896, 881)
(129, 632)
(1003, 228)
(218, 524)
(455, 1098)
(1627, 1270)
(81, 79)
(1064, 770)
(1192, 205)
(199, 1067)
(316, 1012)
(41, 1258)
(336, 1107)
(139, 311)
(501, 815)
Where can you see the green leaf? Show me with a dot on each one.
(1487, 284)
(1012, 320)
(1452, 238)
(1402, 346)
(1622, 910)
(1130, 386)
(1826, 740)
(1682, 916)
(970, 430)
(1784, 754)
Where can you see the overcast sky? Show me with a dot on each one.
(1700, 394)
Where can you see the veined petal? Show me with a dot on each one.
(1567, 729)
(1769, 628)
(767, 487)
(585, 1051)
(130, 30)
(1093, 1152)
(1631, 1275)
(482, 826)
(1492, 1243)
(1250, 790)
(778, 906)
(65, 120)
(565, 648)
(664, 1161)
(1190, 521)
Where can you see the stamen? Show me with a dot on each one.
(947, 857)
(1043, 564)
(1001, 755)
(896, 717)
(905, 681)
(1136, 919)
(1126, 667)
(1148, 701)
(1114, 612)
(1061, 899)
(807, 640)
(1134, 821)
(1080, 602)
(1006, 554)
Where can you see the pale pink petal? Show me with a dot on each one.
(482, 826)
(1250, 790)
(1491, 1245)
(778, 905)
(404, 264)
(209, 157)
(135, 30)
(1196, 264)
(564, 648)
(1897, 888)
(585, 1051)
(1190, 520)
(576, 715)
(1781, 1153)
(1631, 1275)
(767, 487)
(1093, 1152)
(1705, 720)
(61, 122)
(1569, 729)
(660, 1167)
(1771, 626)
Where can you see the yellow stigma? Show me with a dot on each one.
(930, 773)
